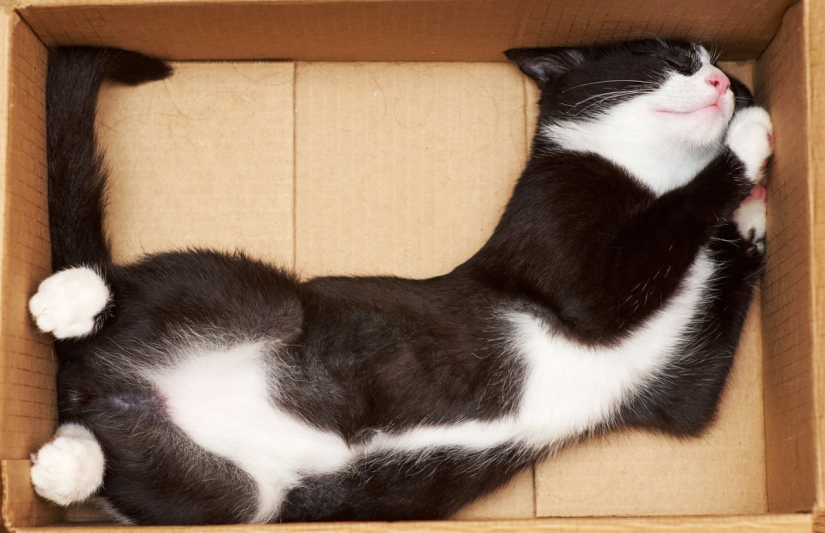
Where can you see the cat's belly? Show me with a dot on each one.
(221, 399)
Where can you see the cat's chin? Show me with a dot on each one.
(710, 110)
(701, 128)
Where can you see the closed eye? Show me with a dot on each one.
(684, 66)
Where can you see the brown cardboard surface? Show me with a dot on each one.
(27, 402)
(5, 52)
(787, 300)
(514, 500)
(643, 474)
(404, 169)
(399, 30)
(815, 25)
(21, 506)
(761, 524)
(27, 396)
(203, 158)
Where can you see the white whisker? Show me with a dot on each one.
(608, 81)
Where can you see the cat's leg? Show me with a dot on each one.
(667, 237)
(68, 303)
(750, 137)
(656, 248)
(428, 484)
(750, 219)
(685, 400)
(69, 468)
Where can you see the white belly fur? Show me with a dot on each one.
(220, 399)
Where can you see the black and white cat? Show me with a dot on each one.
(199, 387)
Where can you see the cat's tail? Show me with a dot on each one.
(77, 172)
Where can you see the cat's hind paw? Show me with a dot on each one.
(750, 218)
(750, 137)
(67, 303)
(69, 468)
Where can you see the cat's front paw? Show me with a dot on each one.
(69, 468)
(750, 137)
(67, 303)
(750, 219)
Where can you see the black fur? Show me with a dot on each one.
(77, 174)
(383, 354)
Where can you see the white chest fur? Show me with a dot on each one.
(221, 399)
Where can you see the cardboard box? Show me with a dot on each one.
(386, 140)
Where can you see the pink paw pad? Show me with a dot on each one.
(759, 192)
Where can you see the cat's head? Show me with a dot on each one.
(663, 100)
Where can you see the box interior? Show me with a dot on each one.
(390, 147)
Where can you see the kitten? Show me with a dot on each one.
(198, 387)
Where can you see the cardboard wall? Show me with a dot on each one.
(28, 392)
(27, 395)
(815, 24)
(781, 85)
(398, 30)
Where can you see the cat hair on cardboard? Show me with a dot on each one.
(198, 387)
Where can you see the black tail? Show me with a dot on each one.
(77, 173)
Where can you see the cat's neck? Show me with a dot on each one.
(659, 164)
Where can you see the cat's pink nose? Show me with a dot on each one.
(719, 81)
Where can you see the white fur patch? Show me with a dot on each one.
(221, 399)
(68, 469)
(67, 302)
(750, 136)
(572, 388)
(662, 138)
(750, 221)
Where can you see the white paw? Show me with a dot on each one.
(67, 302)
(68, 469)
(750, 136)
(750, 218)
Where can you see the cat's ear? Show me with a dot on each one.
(545, 64)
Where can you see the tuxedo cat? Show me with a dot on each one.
(198, 387)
